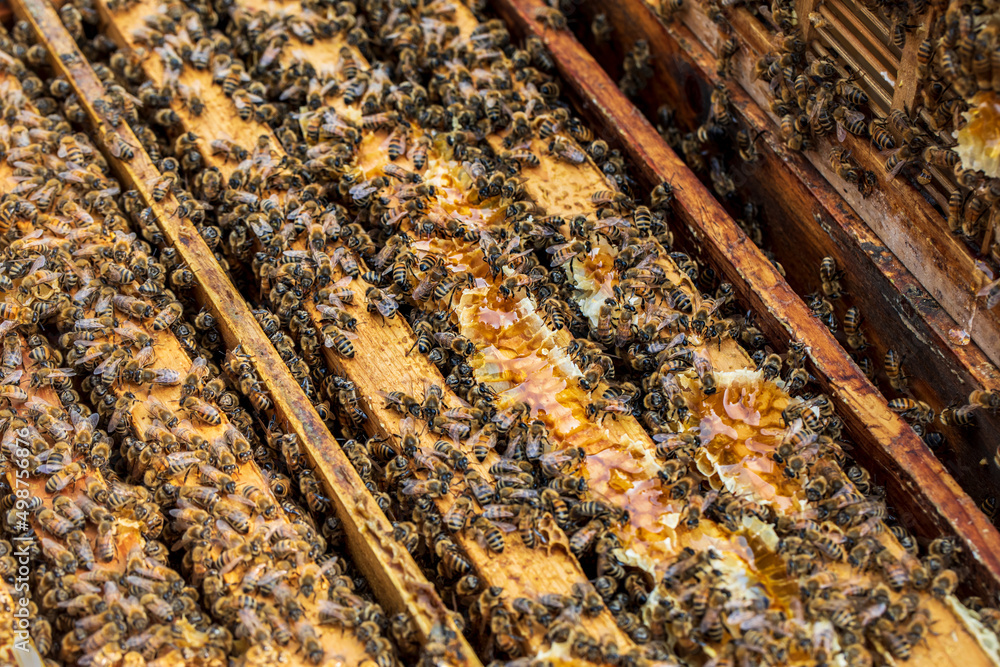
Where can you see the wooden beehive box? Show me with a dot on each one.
(523, 356)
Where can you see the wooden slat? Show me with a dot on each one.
(395, 577)
(170, 354)
(520, 571)
(803, 8)
(904, 96)
(129, 534)
(909, 467)
(903, 220)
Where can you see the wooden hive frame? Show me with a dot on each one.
(807, 219)
(171, 354)
(397, 581)
(518, 570)
(783, 313)
(896, 213)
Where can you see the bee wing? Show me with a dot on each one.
(982, 266)
(841, 132)
(80, 423)
(145, 356)
(244, 500)
(109, 366)
(166, 376)
(504, 526)
(50, 468)
(126, 331)
(36, 265)
(199, 367)
(387, 306)
(362, 190)
(11, 378)
(486, 240)
(895, 170)
(407, 425)
(613, 221)
(991, 292)
(986, 289)
(116, 418)
(818, 105)
(413, 487)
(40, 404)
(261, 229)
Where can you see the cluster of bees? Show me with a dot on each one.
(918, 413)
(123, 470)
(958, 72)
(815, 97)
(531, 481)
(299, 223)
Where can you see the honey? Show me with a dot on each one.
(741, 427)
(979, 141)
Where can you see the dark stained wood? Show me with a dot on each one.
(898, 214)
(918, 483)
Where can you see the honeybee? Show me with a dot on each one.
(938, 157)
(490, 534)
(457, 517)
(167, 316)
(880, 135)
(564, 254)
(381, 302)
(53, 523)
(894, 370)
(852, 327)
(339, 339)
(10, 388)
(842, 163)
(960, 416)
(917, 410)
(118, 147)
(202, 410)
